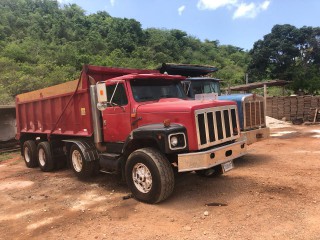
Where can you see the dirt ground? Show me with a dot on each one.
(273, 193)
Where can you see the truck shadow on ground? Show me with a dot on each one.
(107, 181)
(199, 191)
(189, 187)
(219, 190)
(226, 190)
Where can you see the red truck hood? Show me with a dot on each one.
(179, 105)
(177, 111)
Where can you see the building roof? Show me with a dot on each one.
(7, 106)
(251, 86)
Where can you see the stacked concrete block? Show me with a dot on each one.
(293, 107)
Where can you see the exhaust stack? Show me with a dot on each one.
(96, 121)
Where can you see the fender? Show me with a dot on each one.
(87, 147)
(157, 133)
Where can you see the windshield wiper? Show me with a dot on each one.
(167, 96)
(146, 98)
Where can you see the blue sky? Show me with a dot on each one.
(236, 22)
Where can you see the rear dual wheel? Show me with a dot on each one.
(41, 156)
(82, 168)
(29, 152)
(45, 158)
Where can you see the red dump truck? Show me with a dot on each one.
(138, 123)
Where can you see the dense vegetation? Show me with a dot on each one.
(288, 53)
(43, 43)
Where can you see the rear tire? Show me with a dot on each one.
(45, 158)
(29, 151)
(149, 175)
(82, 168)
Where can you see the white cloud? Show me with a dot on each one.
(250, 10)
(181, 9)
(112, 2)
(241, 9)
(265, 5)
(65, 1)
(215, 4)
(245, 10)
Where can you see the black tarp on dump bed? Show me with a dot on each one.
(187, 70)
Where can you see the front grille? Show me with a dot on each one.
(253, 114)
(216, 125)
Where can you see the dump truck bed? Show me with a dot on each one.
(63, 109)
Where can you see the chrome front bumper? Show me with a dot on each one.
(212, 157)
(256, 135)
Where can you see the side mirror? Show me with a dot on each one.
(102, 96)
(102, 106)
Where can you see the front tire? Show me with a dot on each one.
(149, 175)
(29, 151)
(45, 158)
(82, 168)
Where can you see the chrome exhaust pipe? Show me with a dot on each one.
(96, 121)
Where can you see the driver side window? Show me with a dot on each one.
(120, 96)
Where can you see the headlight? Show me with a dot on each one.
(174, 141)
(177, 141)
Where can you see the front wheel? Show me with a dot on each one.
(149, 175)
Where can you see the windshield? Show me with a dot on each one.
(200, 87)
(155, 89)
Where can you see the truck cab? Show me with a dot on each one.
(250, 106)
(201, 85)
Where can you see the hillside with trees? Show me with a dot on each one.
(43, 43)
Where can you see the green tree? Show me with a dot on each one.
(288, 53)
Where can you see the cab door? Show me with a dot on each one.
(116, 117)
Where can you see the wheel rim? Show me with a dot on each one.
(77, 160)
(27, 154)
(142, 177)
(42, 157)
